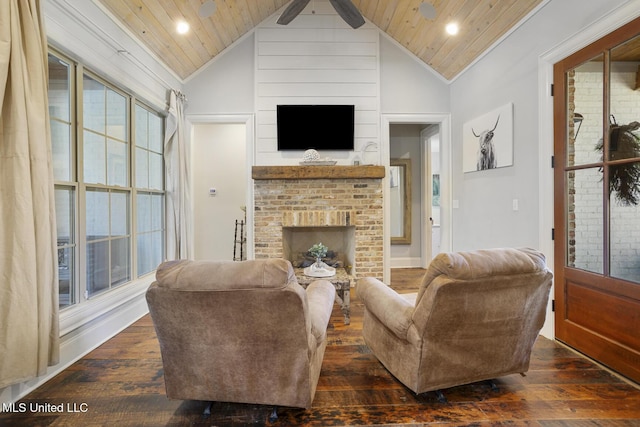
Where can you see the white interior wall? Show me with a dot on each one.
(226, 84)
(315, 59)
(509, 73)
(229, 84)
(407, 85)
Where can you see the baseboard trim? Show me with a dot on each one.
(80, 342)
(406, 262)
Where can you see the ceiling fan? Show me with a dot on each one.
(345, 8)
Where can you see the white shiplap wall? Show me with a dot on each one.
(316, 59)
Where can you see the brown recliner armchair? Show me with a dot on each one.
(242, 332)
(476, 317)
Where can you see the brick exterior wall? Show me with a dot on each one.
(353, 202)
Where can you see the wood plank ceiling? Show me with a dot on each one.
(482, 23)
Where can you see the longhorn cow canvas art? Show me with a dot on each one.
(488, 140)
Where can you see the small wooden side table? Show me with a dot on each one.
(341, 281)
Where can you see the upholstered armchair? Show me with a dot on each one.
(240, 331)
(475, 317)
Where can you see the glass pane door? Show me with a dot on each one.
(624, 156)
(597, 199)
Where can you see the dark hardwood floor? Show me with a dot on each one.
(121, 384)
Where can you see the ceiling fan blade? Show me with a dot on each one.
(293, 10)
(347, 10)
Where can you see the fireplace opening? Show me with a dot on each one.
(296, 241)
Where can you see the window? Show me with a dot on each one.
(149, 184)
(109, 182)
(61, 106)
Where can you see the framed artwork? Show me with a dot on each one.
(487, 140)
(435, 196)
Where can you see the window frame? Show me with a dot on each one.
(84, 308)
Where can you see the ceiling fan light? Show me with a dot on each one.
(207, 9)
(427, 10)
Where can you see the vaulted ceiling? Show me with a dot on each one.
(482, 23)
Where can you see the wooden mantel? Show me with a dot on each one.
(317, 172)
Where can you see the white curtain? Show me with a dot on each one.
(177, 188)
(29, 337)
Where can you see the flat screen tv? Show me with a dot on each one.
(322, 127)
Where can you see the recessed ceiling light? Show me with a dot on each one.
(452, 28)
(182, 27)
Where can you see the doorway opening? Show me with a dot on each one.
(221, 192)
(421, 140)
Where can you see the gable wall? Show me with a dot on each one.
(316, 59)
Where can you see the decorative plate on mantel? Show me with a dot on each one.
(319, 163)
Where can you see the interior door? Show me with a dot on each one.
(597, 200)
(430, 137)
(219, 189)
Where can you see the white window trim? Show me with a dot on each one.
(80, 314)
(87, 310)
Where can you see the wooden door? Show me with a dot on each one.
(597, 200)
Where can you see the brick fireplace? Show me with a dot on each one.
(341, 206)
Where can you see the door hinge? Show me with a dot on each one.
(553, 162)
(553, 305)
(553, 234)
(551, 89)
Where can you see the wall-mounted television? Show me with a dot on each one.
(322, 127)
